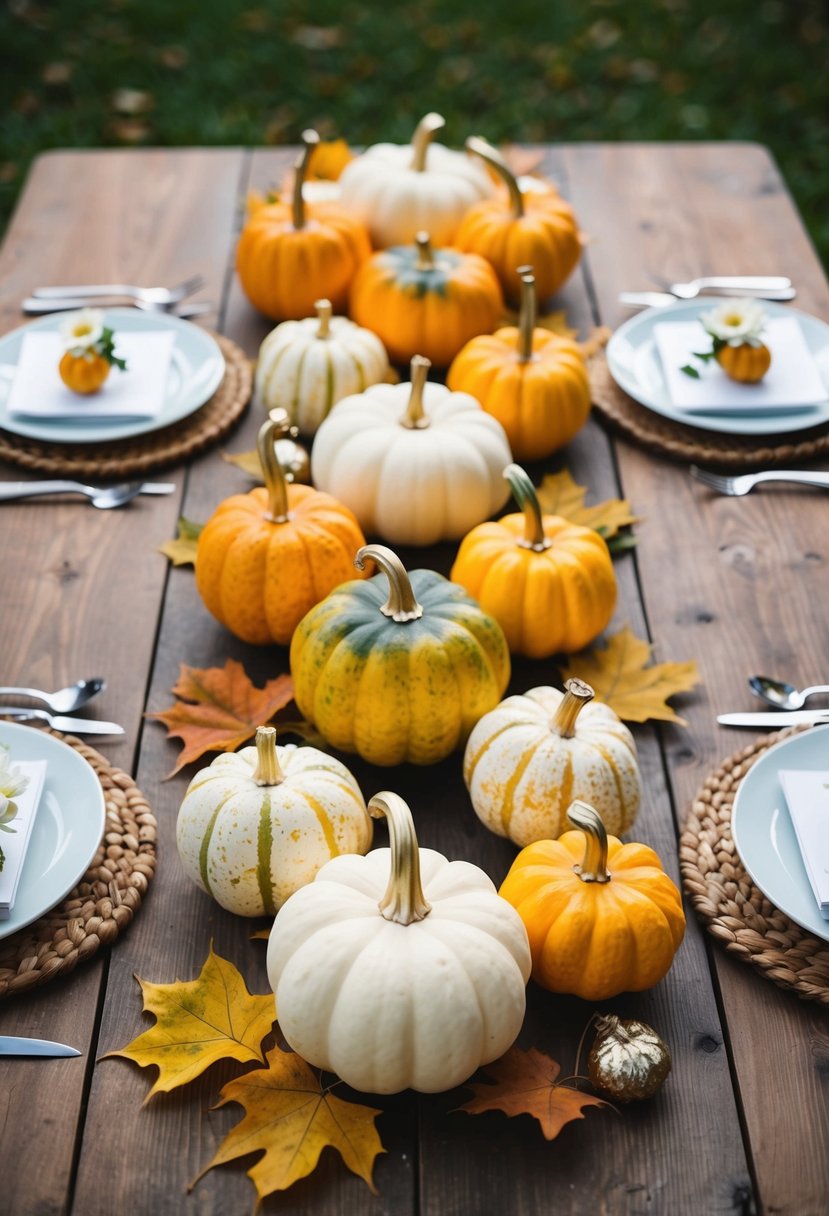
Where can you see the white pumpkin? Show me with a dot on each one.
(258, 824)
(415, 462)
(398, 190)
(304, 367)
(531, 757)
(400, 969)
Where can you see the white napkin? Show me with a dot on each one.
(807, 795)
(37, 390)
(793, 382)
(16, 843)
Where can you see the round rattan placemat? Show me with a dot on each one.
(105, 900)
(727, 901)
(154, 450)
(688, 443)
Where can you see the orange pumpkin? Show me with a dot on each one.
(533, 381)
(745, 363)
(265, 558)
(518, 228)
(421, 301)
(84, 373)
(290, 256)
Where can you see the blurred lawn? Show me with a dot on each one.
(169, 72)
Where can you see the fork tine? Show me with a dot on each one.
(188, 287)
(714, 481)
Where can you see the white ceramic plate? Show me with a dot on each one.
(635, 365)
(763, 831)
(68, 827)
(196, 370)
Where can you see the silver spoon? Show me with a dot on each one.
(65, 700)
(780, 694)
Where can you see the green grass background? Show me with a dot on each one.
(176, 72)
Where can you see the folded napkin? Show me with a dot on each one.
(37, 390)
(807, 796)
(16, 843)
(793, 382)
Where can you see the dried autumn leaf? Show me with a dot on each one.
(526, 1083)
(560, 494)
(219, 708)
(619, 676)
(182, 550)
(199, 1022)
(248, 462)
(291, 1118)
(556, 322)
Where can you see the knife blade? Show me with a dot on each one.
(13, 1045)
(776, 717)
(77, 726)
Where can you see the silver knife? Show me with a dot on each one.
(33, 307)
(659, 299)
(13, 1045)
(776, 717)
(77, 726)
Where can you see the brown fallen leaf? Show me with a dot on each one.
(560, 494)
(182, 550)
(526, 1083)
(219, 709)
(619, 676)
(291, 1118)
(198, 1022)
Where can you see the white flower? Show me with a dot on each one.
(736, 322)
(12, 781)
(81, 330)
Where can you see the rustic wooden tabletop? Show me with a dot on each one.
(741, 585)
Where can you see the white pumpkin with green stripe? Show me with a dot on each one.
(258, 824)
(305, 367)
(528, 759)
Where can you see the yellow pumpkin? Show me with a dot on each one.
(602, 917)
(533, 381)
(290, 256)
(266, 557)
(424, 301)
(85, 373)
(519, 228)
(549, 583)
(745, 363)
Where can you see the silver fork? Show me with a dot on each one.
(103, 497)
(160, 296)
(34, 306)
(745, 482)
(750, 285)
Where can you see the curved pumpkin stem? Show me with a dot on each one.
(425, 253)
(267, 771)
(524, 493)
(414, 417)
(401, 605)
(594, 866)
(576, 695)
(323, 310)
(404, 901)
(310, 139)
(428, 126)
(493, 157)
(526, 315)
(277, 426)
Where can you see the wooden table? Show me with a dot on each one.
(741, 585)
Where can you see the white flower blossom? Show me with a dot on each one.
(82, 330)
(736, 322)
(12, 781)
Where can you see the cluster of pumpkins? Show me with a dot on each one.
(397, 968)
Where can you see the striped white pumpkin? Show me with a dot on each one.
(523, 772)
(305, 367)
(251, 843)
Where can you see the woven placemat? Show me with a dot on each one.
(143, 454)
(727, 901)
(106, 899)
(690, 444)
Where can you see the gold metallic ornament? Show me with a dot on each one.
(628, 1059)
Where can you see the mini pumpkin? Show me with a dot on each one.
(548, 582)
(426, 301)
(415, 462)
(602, 917)
(256, 825)
(745, 363)
(398, 668)
(533, 381)
(264, 558)
(527, 759)
(399, 970)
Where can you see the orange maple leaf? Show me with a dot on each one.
(220, 708)
(526, 1083)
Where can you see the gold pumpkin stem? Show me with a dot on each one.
(428, 126)
(324, 310)
(414, 417)
(401, 605)
(524, 493)
(310, 139)
(526, 315)
(267, 770)
(594, 866)
(404, 901)
(493, 157)
(576, 696)
(277, 426)
(425, 253)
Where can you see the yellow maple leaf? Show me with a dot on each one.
(248, 462)
(619, 676)
(182, 550)
(559, 494)
(199, 1022)
(292, 1118)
